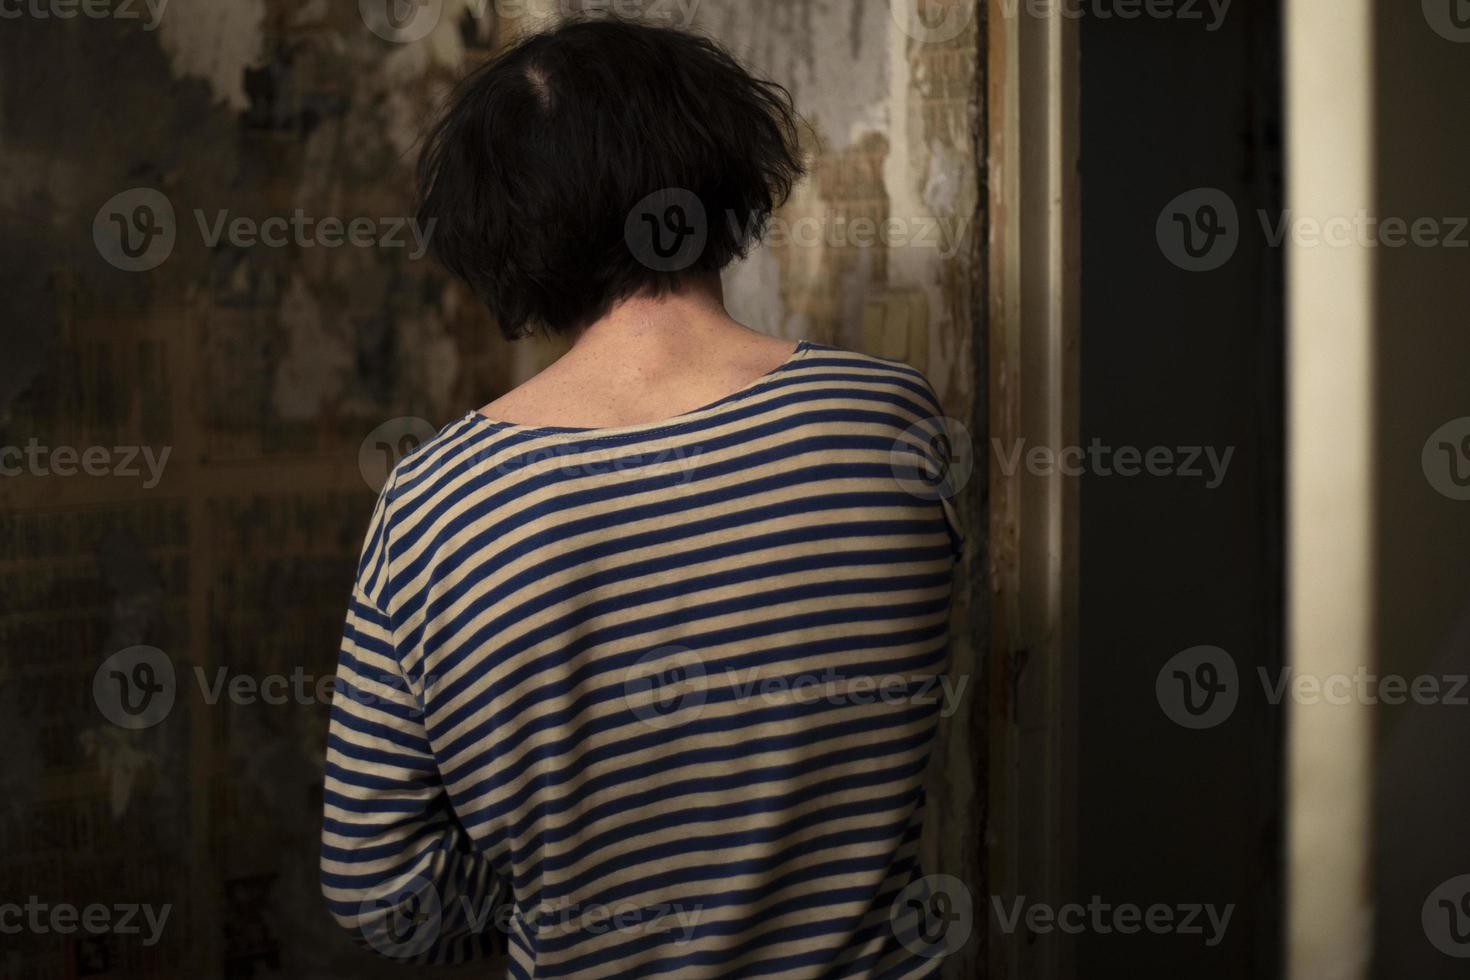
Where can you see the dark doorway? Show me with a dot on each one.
(1181, 583)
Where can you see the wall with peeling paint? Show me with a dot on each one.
(270, 376)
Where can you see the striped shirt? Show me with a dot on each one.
(653, 700)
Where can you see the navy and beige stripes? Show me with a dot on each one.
(642, 701)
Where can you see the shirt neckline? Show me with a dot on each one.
(673, 421)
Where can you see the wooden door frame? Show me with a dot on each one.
(1032, 323)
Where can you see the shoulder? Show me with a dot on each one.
(843, 358)
(867, 371)
(437, 460)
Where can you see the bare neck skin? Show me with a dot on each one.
(648, 359)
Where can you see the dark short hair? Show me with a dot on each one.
(558, 166)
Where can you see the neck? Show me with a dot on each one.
(671, 323)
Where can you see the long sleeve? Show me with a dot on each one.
(397, 868)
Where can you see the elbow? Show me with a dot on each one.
(396, 917)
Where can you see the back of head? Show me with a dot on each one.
(600, 160)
